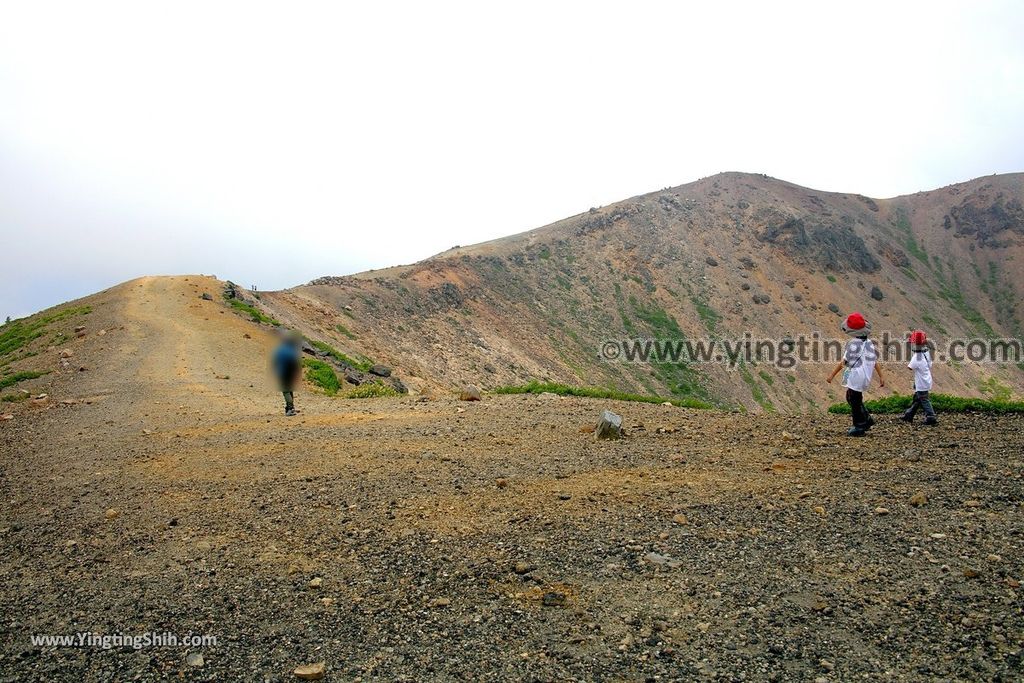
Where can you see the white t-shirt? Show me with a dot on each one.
(860, 357)
(921, 364)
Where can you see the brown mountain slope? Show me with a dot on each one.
(727, 255)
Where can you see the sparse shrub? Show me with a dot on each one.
(11, 380)
(941, 402)
(322, 375)
(363, 364)
(535, 387)
(372, 390)
(256, 315)
(17, 333)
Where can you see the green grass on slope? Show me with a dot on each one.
(535, 387)
(362, 364)
(372, 390)
(18, 333)
(13, 398)
(11, 380)
(941, 402)
(255, 314)
(322, 375)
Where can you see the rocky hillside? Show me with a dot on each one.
(727, 255)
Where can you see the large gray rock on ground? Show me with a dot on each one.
(609, 426)
(470, 393)
(380, 370)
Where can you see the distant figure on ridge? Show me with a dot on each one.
(859, 360)
(285, 362)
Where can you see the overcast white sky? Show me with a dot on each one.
(273, 143)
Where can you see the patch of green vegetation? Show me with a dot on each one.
(372, 390)
(708, 315)
(941, 402)
(321, 374)
(831, 278)
(255, 314)
(545, 252)
(755, 390)
(662, 325)
(934, 324)
(681, 379)
(952, 293)
(768, 379)
(563, 282)
(996, 389)
(17, 333)
(909, 241)
(535, 387)
(345, 331)
(791, 379)
(13, 398)
(11, 380)
(1005, 300)
(362, 364)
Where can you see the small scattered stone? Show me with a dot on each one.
(316, 582)
(440, 602)
(826, 665)
(501, 482)
(112, 514)
(681, 519)
(311, 672)
(970, 573)
(195, 659)
(553, 599)
(994, 558)
(918, 499)
(522, 567)
(881, 511)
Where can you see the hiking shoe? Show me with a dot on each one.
(906, 417)
(857, 431)
(931, 421)
(290, 413)
(869, 424)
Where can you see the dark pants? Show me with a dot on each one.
(857, 410)
(287, 384)
(922, 401)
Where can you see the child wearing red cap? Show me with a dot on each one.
(921, 364)
(859, 360)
